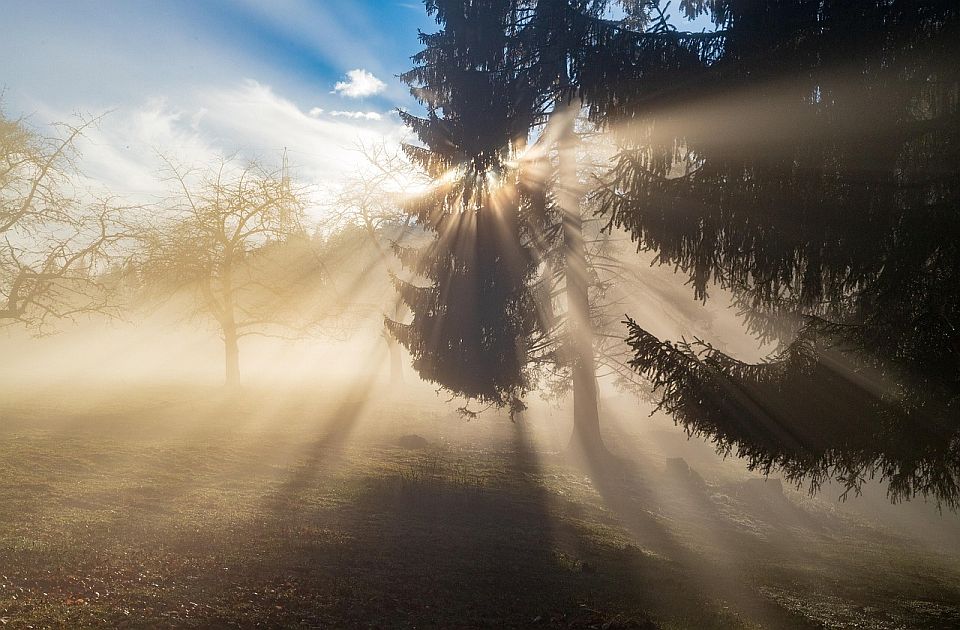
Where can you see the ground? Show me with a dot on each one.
(186, 508)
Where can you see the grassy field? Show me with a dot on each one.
(179, 508)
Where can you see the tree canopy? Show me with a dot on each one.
(495, 73)
(803, 155)
(809, 162)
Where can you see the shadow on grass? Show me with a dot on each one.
(335, 532)
(737, 544)
(431, 541)
(326, 449)
(343, 535)
(656, 507)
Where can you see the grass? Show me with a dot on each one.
(179, 509)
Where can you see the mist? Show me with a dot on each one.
(562, 315)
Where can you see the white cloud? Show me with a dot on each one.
(316, 112)
(197, 117)
(361, 83)
(357, 115)
(122, 153)
(249, 120)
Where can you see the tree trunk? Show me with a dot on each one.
(586, 417)
(231, 343)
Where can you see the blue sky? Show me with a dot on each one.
(200, 79)
(99, 54)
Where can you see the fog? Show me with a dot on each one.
(608, 324)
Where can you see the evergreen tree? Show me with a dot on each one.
(807, 157)
(474, 317)
(497, 71)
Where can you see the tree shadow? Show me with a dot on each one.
(327, 448)
(670, 513)
(429, 538)
(348, 533)
(434, 538)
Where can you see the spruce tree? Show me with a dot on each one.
(473, 314)
(805, 156)
(498, 73)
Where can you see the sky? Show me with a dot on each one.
(195, 80)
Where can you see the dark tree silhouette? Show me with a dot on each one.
(497, 71)
(473, 316)
(806, 156)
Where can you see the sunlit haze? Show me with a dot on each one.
(479, 314)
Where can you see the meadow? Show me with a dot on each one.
(185, 507)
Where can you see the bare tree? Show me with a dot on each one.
(220, 242)
(55, 238)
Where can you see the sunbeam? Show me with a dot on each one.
(480, 314)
